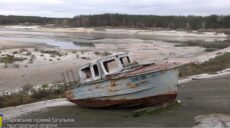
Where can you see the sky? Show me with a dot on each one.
(71, 8)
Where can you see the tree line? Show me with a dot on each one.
(123, 20)
(32, 20)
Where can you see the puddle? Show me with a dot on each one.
(53, 42)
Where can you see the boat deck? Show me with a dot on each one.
(144, 69)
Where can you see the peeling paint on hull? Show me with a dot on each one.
(145, 102)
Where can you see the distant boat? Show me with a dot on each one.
(118, 81)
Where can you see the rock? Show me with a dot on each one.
(178, 101)
(212, 121)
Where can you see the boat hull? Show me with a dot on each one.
(145, 102)
(145, 89)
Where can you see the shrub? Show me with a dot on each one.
(24, 98)
(5, 65)
(97, 53)
(10, 59)
(102, 53)
(27, 87)
(16, 65)
(36, 49)
(43, 94)
(28, 53)
(14, 100)
(51, 52)
(31, 60)
(23, 50)
(45, 86)
(85, 58)
(15, 52)
(74, 51)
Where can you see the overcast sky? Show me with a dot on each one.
(70, 8)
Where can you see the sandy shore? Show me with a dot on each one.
(43, 70)
(16, 44)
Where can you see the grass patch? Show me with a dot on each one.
(15, 52)
(17, 65)
(23, 50)
(5, 65)
(156, 110)
(211, 46)
(44, 94)
(84, 44)
(9, 59)
(25, 98)
(15, 100)
(85, 58)
(52, 53)
(102, 53)
(213, 65)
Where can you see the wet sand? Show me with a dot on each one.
(197, 98)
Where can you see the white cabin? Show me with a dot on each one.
(100, 68)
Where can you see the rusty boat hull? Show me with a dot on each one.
(149, 85)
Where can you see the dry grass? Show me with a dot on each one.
(10, 59)
(102, 53)
(216, 64)
(25, 98)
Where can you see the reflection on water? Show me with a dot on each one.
(57, 39)
(48, 38)
(84, 44)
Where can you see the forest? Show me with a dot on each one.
(125, 20)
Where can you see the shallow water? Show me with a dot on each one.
(52, 42)
(65, 40)
(48, 38)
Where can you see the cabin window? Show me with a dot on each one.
(125, 60)
(86, 73)
(95, 69)
(111, 66)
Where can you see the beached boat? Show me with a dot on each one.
(118, 81)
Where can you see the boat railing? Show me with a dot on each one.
(69, 78)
